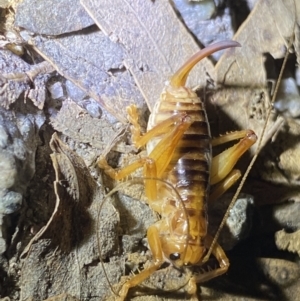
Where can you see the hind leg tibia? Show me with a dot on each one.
(223, 163)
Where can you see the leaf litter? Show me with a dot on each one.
(148, 54)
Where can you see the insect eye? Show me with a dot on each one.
(174, 256)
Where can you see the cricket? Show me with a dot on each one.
(179, 152)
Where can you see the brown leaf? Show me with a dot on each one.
(244, 102)
(17, 76)
(95, 64)
(245, 99)
(280, 161)
(65, 252)
(75, 123)
(156, 42)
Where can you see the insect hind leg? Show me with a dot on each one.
(223, 163)
(220, 188)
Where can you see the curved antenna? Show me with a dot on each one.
(98, 236)
(137, 181)
(258, 149)
(180, 77)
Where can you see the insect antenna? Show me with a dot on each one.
(98, 236)
(257, 151)
(121, 186)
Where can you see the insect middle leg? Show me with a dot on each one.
(172, 130)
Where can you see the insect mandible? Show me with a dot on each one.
(179, 152)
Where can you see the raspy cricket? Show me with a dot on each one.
(49, 247)
(179, 152)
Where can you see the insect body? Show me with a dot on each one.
(179, 152)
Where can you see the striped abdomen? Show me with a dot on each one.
(189, 168)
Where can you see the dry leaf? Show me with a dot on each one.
(50, 17)
(246, 100)
(280, 164)
(156, 42)
(17, 77)
(77, 271)
(73, 122)
(95, 64)
(288, 241)
(65, 252)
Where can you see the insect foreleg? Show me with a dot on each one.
(223, 263)
(128, 170)
(158, 260)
